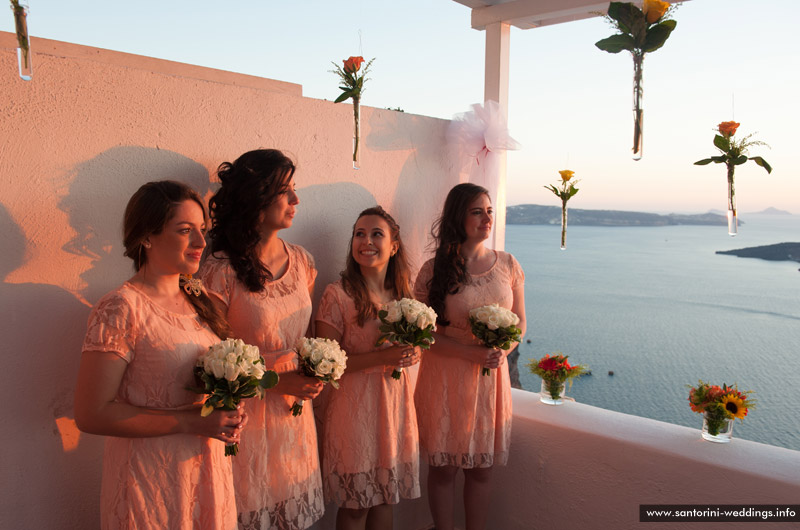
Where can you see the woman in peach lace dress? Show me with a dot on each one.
(164, 464)
(464, 416)
(264, 287)
(370, 448)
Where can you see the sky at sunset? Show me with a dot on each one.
(570, 103)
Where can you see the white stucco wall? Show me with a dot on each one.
(76, 142)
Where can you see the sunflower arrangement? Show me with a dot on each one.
(719, 404)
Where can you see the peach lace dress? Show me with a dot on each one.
(276, 473)
(465, 417)
(181, 481)
(371, 444)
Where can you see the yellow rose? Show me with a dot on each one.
(566, 174)
(654, 9)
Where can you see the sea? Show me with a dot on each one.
(658, 308)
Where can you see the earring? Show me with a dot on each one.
(146, 244)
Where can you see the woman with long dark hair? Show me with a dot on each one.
(264, 287)
(370, 447)
(464, 416)
(164, 464)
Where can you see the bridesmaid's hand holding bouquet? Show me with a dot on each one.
(322, 359)
(229, 372)
(495, 327)
(407, 321)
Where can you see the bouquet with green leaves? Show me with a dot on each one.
(229, 372)
(407, 321)
(495, 327)
(322, 359)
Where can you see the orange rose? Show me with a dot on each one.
(654, 10)
(728, 128)
(352, 64)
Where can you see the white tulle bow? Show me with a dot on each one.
(476, 136)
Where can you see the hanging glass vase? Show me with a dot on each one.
(356, 132)
(638, 111)
(23, 40)
(564, 225)
(733, 222)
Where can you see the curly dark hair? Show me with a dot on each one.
(249, 185)
(147, 212)
(449, 267)
(397, 271)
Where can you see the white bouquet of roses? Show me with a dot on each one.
(407, 321)
(229, 372)
(320, 358)
(495, 327)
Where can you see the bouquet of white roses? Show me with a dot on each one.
(229, 372)
(320, 358)
(407, 321)
(495, 327)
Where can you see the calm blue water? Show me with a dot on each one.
(662, 310)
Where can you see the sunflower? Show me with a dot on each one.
(734, 406)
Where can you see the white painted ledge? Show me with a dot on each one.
(578, 466)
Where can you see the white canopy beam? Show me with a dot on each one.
(526, 14)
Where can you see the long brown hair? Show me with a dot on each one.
(249, 185)
(148, 211)
(397, 271)
(449, 266)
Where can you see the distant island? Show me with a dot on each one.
(766, 211)
(535, 214)
(777, 252)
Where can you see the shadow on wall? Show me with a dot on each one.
(45, 460)
(98, 192)
(424, 180)
(43, 453)
(323, 225)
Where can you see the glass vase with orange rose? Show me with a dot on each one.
(734, 153)
(352, 78)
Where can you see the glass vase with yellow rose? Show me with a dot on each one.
(565, 192)
(640, 31)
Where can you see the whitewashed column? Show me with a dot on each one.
(496, 89)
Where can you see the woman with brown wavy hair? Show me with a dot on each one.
(464, 416)
(370, 441)
(164, 464)
(264, 286)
